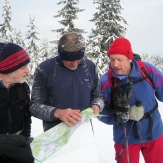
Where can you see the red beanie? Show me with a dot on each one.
(121, 46)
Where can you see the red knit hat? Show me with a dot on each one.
(121, 46)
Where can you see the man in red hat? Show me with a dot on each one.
(131, 105)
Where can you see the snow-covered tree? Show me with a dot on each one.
(108, 21)
(18, 38)
(156, 60)
(145, 57)
(68, 15)
(93, 52)
(54, 47)
(6, 29)
(32, 48)
(108, 26)
(45, 51)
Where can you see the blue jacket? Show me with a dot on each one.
(19, 112)
(141, 91)
(55, 86)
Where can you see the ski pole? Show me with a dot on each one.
(127, 153)
(126, 139)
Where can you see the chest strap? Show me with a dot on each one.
(146, 115)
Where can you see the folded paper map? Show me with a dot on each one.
(46, 144)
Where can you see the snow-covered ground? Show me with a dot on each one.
(103, 137)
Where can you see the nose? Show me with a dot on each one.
(115, 63)
(27, 70)
(75, 63)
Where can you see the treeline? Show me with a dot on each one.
(108, 25)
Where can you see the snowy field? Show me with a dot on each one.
(103, 137)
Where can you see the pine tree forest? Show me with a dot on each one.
(108, 21)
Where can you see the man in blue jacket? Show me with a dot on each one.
(65, 85)
(15, 117)
(131, 105)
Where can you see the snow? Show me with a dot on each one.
(103, 137)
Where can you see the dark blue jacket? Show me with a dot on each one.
(19, 112)
(142, 91)
(55, 86)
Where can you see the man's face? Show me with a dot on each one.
(120, 64)
(72, 65)
(19, 76)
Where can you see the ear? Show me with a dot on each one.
(130, 60)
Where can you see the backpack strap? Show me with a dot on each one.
(146, 115)
(144, 72)
(113, 84)
(21, 100)
(21, 92)
(112, 79)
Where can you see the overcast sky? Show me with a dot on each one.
(144, 29)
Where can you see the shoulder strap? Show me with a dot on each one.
(144, 72)
(112, 79)
(20, 92)
(21, 95)
(113, 84)
(22, 98)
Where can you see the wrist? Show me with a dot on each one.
(56, 113)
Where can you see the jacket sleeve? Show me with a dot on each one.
(157, 80)
(96, 95)
(27, 115)
(39, 98)
(107, 112)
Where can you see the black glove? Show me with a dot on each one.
(122, 105)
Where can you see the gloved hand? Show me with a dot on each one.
(136, 111)
(122, 105)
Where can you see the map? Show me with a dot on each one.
(46, 144)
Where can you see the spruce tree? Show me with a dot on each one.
(108, 26)
(18, 38)
(45, 52)
(33, 49)
(68, 14)
(6, 29)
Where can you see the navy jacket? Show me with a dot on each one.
(55, 86)
(18, 120)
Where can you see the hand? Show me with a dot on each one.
(96, 109)
(122, 105)
(69, 116)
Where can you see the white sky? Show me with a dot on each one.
(145, 19)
